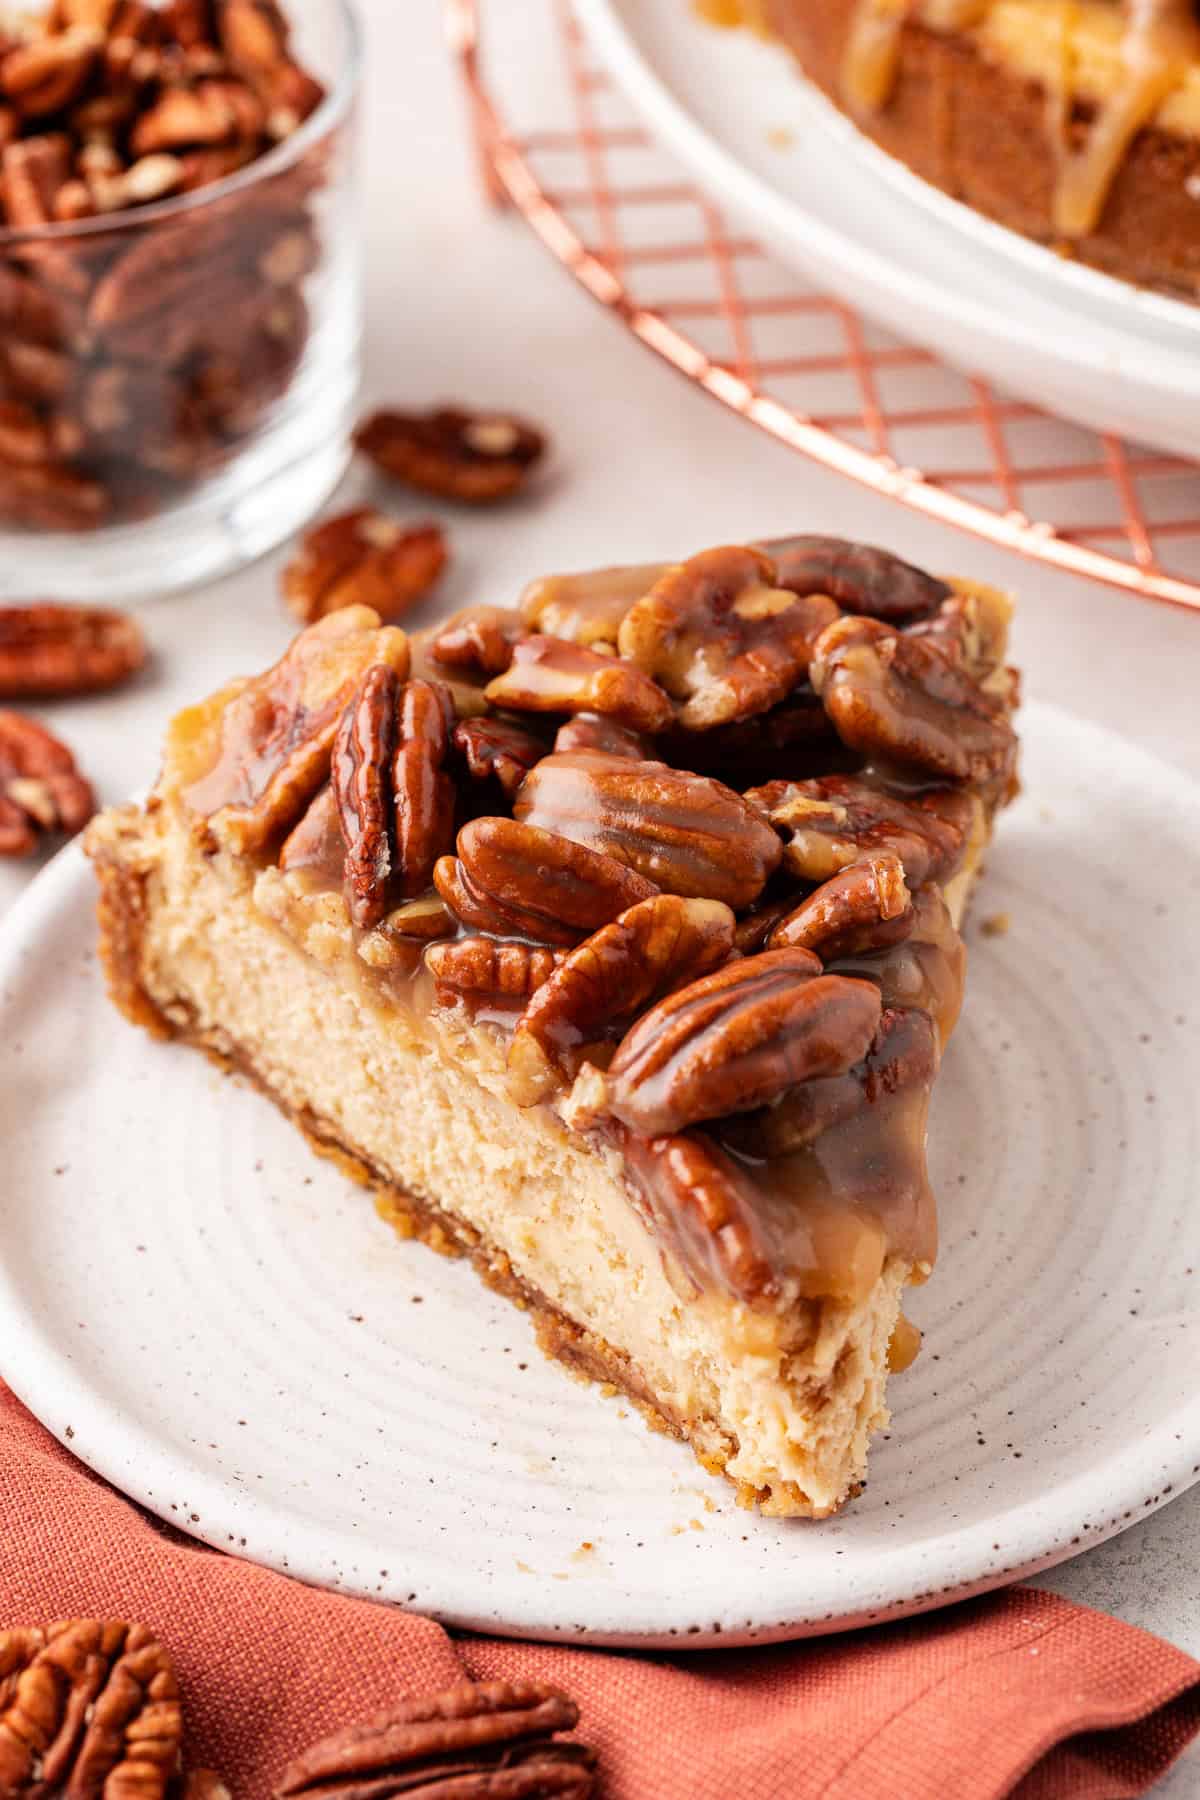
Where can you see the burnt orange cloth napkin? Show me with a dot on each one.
(1017, 1693)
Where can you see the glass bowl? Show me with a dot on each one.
(178, 379)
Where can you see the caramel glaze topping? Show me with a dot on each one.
(1161, 43)
(747, 993)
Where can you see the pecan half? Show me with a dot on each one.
(361, 764)
(860, 577)
(487, 969)
(587, 609)
(424, 792)
(46, 73)
(836, 820)
(903, 1056)
(52, 497)
(87, 1706)
(906, 699)
(363, 558)
(643, 954)
(493, 749)
(588, 731)
(737, 1040)
(688, 834)
(516, 880)
(706, 1211)
(490, 1740)
(480, 638)
(972, 625)
(722, 636)
(276, 733)
(41, 790)
(477, 458)
(865, 907)
(548, 674)
(50, 649)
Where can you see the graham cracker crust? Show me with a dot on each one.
(121, 911)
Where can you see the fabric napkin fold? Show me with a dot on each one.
(1016, 1693)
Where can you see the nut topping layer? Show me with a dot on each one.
(744, 994)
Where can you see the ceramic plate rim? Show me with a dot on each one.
(1041, 1530)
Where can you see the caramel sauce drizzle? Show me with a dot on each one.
(1161, 43)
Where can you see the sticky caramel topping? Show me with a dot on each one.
(583, 909)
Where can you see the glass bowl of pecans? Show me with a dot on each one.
(180, 298)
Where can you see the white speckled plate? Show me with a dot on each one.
(218, 1322)
(820, 196)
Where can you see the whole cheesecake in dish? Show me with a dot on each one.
(614, 941)
(1076, 122)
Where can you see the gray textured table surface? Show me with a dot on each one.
(647, 467)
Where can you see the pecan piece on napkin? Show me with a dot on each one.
(490, 1740)
(653, 947)
(733, 1041)
(722, 636)
(88, 1706)
(363, 558)
(515, 880)
(51, 649)
(41, 789)
(473, 457)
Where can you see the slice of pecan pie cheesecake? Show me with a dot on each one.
(612, 940)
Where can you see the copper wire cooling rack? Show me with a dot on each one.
(657, 253)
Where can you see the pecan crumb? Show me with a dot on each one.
(996, 925)
(471, 1741)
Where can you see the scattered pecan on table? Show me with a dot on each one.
(133, 362)
(476, 458)
(41, 789)
(363, 558)
(491, 1740)
(47, 649)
